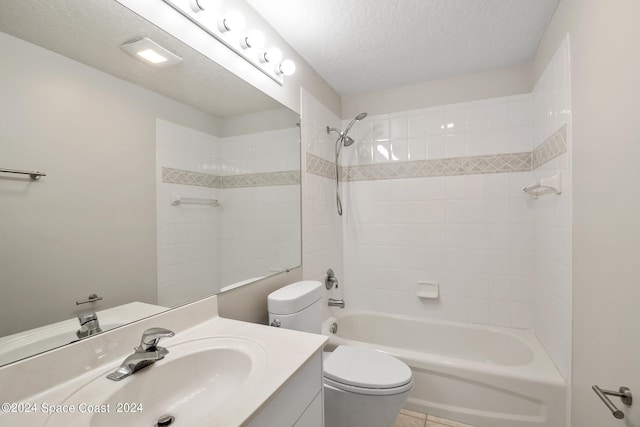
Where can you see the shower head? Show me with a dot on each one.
(342, 135)
(348, 128)
(347, 141)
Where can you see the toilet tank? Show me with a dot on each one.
(297, 306)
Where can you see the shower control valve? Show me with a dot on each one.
(330, 279)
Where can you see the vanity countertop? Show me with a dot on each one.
(36, 385)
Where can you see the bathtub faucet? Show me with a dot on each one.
(336, 302)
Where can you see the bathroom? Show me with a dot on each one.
(559, 265)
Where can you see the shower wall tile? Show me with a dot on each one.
(552, 214)
(322, 228)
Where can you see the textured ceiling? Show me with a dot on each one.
(364, 45)
(91, 32)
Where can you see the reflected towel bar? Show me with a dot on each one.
(176, 200)
(33, 174)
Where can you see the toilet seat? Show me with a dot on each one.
(365, 371)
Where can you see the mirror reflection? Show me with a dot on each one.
(162, 186)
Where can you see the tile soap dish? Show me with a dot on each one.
(428, 290)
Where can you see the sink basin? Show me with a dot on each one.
(190, 383)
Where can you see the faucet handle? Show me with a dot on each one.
(87, 316)
(151, 337)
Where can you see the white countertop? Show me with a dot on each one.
(52, 377)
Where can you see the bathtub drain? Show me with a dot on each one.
(165, 421)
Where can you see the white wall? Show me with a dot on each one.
(452, 90)
(89, 225)
(606, 238)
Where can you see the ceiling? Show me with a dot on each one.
(366, 45)
(91, 32)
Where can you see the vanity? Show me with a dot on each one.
(217, 372)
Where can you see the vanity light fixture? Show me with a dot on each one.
(254, 40)
(286, 67)
(232, 21)
(151, 52)
(226, 28)
(201, 5)
(272, 55)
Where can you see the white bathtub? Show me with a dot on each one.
(481, 375)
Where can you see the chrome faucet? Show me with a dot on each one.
(145, 354)
(336, 302)
(89, 324)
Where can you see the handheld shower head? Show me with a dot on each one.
(356, 119)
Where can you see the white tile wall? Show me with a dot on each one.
(187, 235)
(552, 317)
(473, 234)
(322, 227)
(253, 233)
(492, 126)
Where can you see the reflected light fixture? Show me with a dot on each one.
(150, 52)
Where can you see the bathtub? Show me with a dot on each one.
(481, 375)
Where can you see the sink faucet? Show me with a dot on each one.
(336, 302)
(145, 354)
(89, 324)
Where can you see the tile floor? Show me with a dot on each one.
(415, 419)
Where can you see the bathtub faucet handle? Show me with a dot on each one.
(330, 279)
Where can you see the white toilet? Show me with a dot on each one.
(362, 387)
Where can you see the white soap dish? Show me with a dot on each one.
(429, 290)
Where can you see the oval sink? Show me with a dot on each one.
(192, 381)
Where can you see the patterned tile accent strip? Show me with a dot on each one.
(319, 166)
(553, 147)
(513, 162)
(186, 177)
(261, 179)
(473, 165)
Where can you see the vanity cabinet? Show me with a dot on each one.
(299, 403)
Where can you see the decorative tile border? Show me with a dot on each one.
(199, 179)
(513, 162)
(553, 147)
(186, 177)
(319, 166)
(261, 179)
(472, 165)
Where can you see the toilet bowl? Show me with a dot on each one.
(362, 387)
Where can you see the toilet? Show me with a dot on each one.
(362, 387)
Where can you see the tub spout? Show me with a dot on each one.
(336, 302)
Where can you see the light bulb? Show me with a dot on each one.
(286, 67)
(255, 40)
(272, 55)
(232, 21)
(199, 5)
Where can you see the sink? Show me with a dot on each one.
(190, 384)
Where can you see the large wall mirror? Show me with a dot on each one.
(162, 186)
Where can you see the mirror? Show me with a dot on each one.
(162, 186)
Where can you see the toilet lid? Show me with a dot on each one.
(366, 368)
